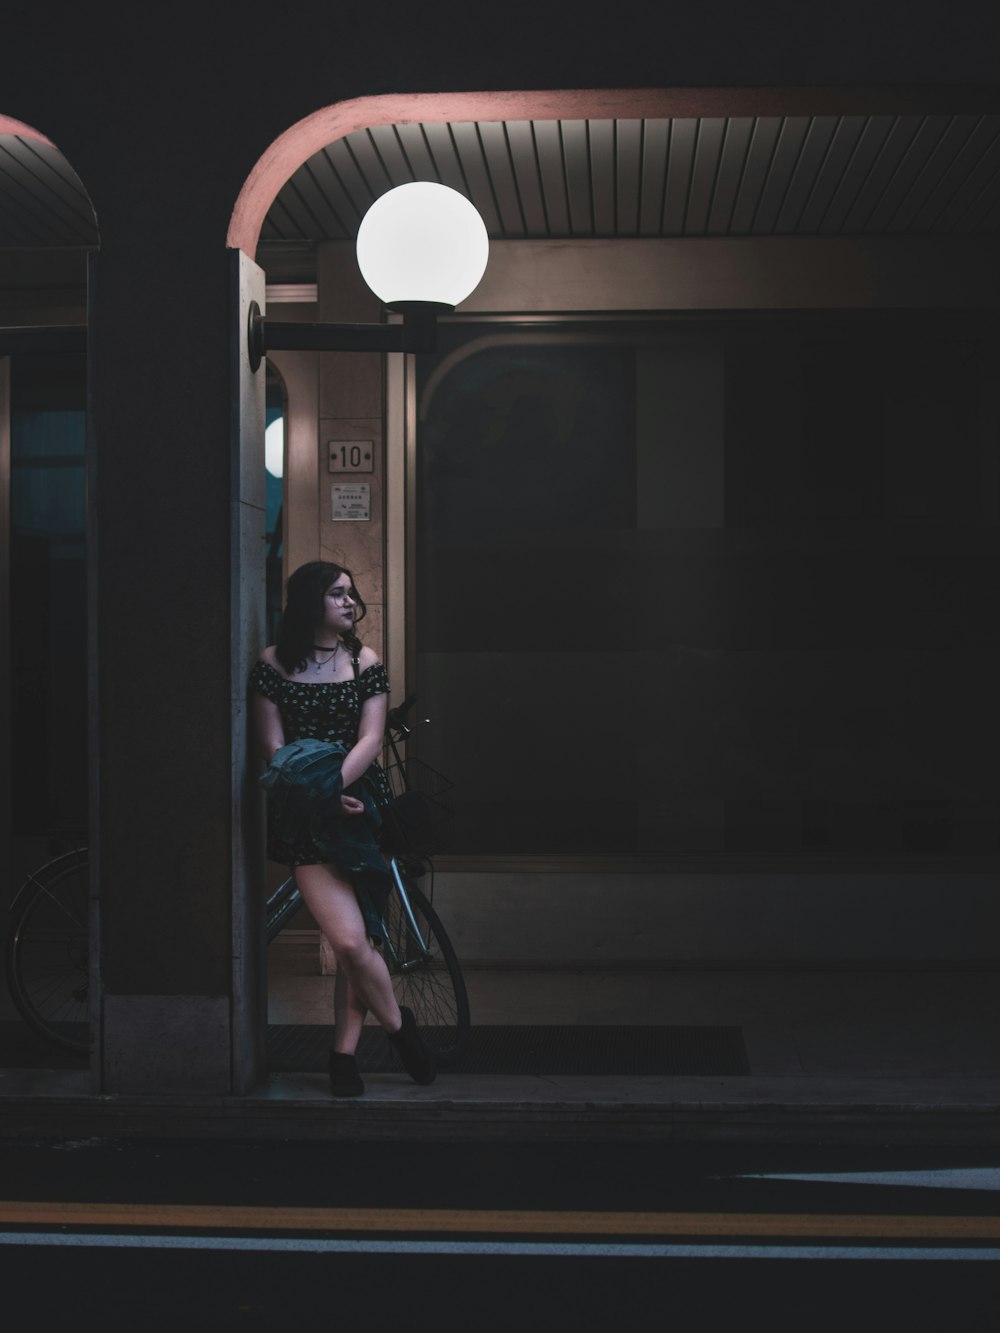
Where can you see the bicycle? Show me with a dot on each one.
(48, 950)
(47, 953)
(423, 964)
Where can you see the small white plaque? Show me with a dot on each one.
(351, 455)
(350, 504)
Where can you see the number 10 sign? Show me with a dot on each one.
(351, 455)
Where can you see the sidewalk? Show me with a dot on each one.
(836, 1056)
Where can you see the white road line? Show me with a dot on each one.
(513, 1249)
(945, 1178)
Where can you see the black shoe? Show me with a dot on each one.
(345, 1081)
(418, 1060)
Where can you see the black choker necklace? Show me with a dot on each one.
(325, 648)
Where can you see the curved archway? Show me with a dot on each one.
(43, 202)
(292, 148)
(8, 125)
(48, 228)
(321, 128)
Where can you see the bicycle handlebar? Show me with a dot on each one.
(396, 717)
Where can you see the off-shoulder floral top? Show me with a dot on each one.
(326, 711)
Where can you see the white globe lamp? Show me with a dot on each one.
(422, 249)
(422, 244)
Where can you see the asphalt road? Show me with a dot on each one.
(192, 1235)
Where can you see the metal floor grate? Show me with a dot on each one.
(571, 1049)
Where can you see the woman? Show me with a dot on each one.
(318, 681)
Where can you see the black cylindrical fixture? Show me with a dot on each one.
(415, 334)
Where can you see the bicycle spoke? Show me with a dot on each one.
(47, 952)
(425, 972)
(79, 921)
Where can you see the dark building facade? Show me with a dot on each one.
(744, 395)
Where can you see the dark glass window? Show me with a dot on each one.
(724, 586)
(48, 642)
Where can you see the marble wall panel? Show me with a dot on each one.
(351, 407)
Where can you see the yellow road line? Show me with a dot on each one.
(495, 1221)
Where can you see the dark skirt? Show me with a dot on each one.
(349, 844)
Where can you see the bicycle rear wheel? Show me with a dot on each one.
(427, 979)
(48, 952)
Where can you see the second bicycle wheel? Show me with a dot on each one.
(427, 979)
(48, 952)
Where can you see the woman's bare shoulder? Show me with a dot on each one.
(368, 657)
(270, 658)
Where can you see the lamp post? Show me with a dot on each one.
(422, 248)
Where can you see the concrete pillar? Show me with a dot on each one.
(176, 575)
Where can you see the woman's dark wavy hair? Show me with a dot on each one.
(304, 612)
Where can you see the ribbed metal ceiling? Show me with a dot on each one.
(41, 199)
(714, 176)
(736, 176)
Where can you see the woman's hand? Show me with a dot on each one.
(350, 805)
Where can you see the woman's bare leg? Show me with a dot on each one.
(349, 1014)
(332, 903)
